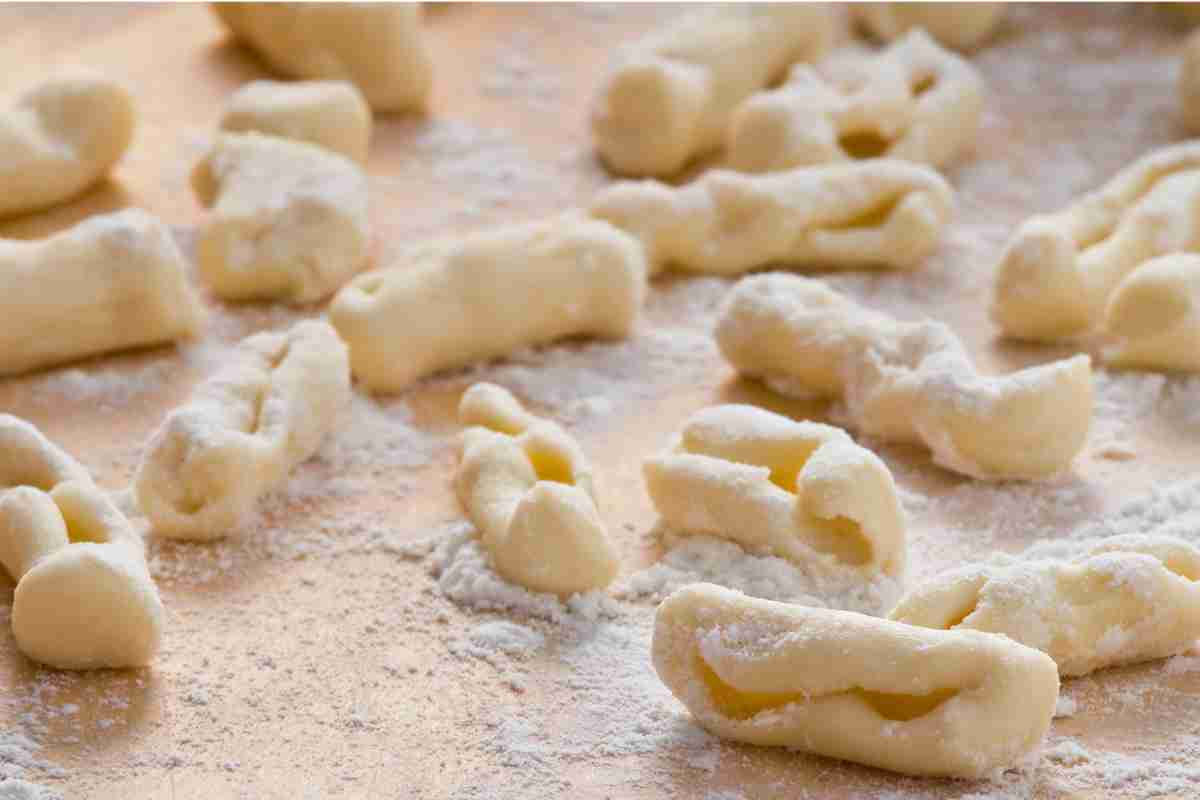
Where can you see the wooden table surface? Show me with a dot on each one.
(306, 658)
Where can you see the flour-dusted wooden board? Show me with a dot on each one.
(307, 658)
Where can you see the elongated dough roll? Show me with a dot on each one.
(843, 216)
(112, 282)
(907, 381)
(958, 25)
(912, 101)
(798, 490)
(488, 294)
(376, 46)
(1128, 599)
(667, 98)
(84, 598)
(243, 431)
(60, 138)
(850, 686)
(331, 114)
(289, 219)
(1059, 270)
(527, 487)
(1154, 316)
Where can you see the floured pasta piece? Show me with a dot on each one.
(84, 598)
(1059, 270)
(878, 213)
(1189, 77)
(289, 219)
(1154, 316)
(243, 431)
(846, 685)
(331, 114)
(487, 294)
(912, 101)
(376, 46)
(527, 487)
(958, 25)
(60, 138)
(112, 282)
(1129, 599)
(907, 381)
(668, 97)
(802, 491)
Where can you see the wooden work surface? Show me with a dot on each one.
(306, 658)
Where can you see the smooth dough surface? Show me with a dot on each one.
(487, 294)
(84, 597)
(112, 282)
(376, 46)
(1129, 599)
(61, 137)
(907, 381)
(912, 101)
(845, 685)
(331, 114)
(1153, 316)
(288, 222)
(668, 97)
(958, 25)
(879, 213)
(1059, 270)
(798, 490)
(243, 431)
(528, 489)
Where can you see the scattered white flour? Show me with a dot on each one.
(1065, 707)
(498, 636)
(18, 758)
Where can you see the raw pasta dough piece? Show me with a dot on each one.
(376, 46)
(528, 489)
(798, 490)
(60, 138)
(850, 686)
(332, 114)
(1189, 77)
(488, 294)
(1059, 270)
(912, 101)
(907, 381)
(243, 431)
(1129, 599)
(1154, 316)
(877, 213)
(111, 282)
(669, 96)
(84, 598)
(958, 25)
(289, 219)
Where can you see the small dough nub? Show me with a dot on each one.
(84, 597)
(487, 294)
(878, 213)
(288, 222)
(243, 431)
(527, 487)
(802, 491)
(60, 138)
(907, 381)
(1128, 599)
(112, 282)
(845, 685)
(1154, 316)
(331, 114)
(962, 26)
(668, 97)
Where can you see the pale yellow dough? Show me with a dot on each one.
(84, 598)
(840, 684)
(798, 490)
(242, 432)
(528, 489)
(112, 282)
(907, 381)
(879, 213)
(668, 97)
(1153, 317)
(962, 26)
(331, 114)
(1128, 599)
